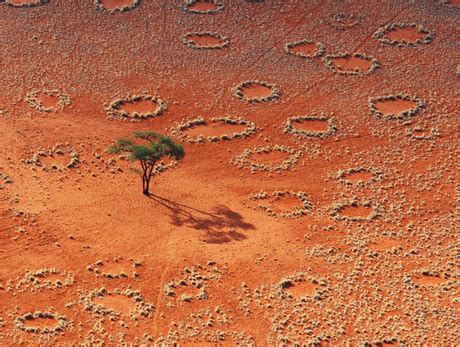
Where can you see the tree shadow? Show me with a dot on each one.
(221, 225)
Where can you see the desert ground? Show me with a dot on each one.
(317, 203)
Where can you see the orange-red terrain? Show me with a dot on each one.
(317, 201)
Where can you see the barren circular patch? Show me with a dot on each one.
(404, 34)
(48, 100)
(355, 211)
(116, 5)
(41, 322)
(351, 64)
(310, 126)
(205, 40)
(244, 160)
(301, 285)
(283, 204)
(192, 130)
(47, 278)
(24, 3)
(117, 303)
(136, 107)
(305, 49)
(256, 91)
(360, 176)
(400, 106)
(114, 269)
(203, 6)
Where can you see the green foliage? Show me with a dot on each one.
(157, 147)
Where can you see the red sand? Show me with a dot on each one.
(308, 49)
(140, 107)
(372, 292)
(409, 34)
(388, 107)
(202, 5)
(256, 90)
(114, 4)
(352, 63)
(205, 40)
(312, 125)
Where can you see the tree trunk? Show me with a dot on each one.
(146, 185)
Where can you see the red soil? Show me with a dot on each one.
(41, 323)
(409, 34)
(119, 303)
(24, 2)
(356, 211)
(270, 158)
(312, 125)
(198, 213)
(48, 100)
(203, 5)
(395, 107)
(140, 107)
(115, 4)
(205, 40)
(308, 49)
(300, 289)
(351, 63)
(360, 176)
(256, 90)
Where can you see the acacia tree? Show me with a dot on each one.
(157, 147)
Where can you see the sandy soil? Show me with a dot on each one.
(198, 263)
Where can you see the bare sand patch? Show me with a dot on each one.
(205, 40)
(312, 126)
(305, 49)
(351, 64)
(256, 91)
(404, 34)
(203, 6)
(400, 106)
(25, 3)
(136, 107)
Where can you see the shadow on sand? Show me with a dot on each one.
(220, 226)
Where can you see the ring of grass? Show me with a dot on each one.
(377, 175)
(143, 308)
(238, 91)
(289, 127)
(58, 149)
(328, 61)
(31, 4)
(100, 6)
(178, 131)
(32, 99)
(114, 110)
(319, 49)
(296, 213)
(338, 207)
(19, 322)
(400, 116)
(380, 34)
(192, 44)
(243, 160)
(37, 279)
(219, 7)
